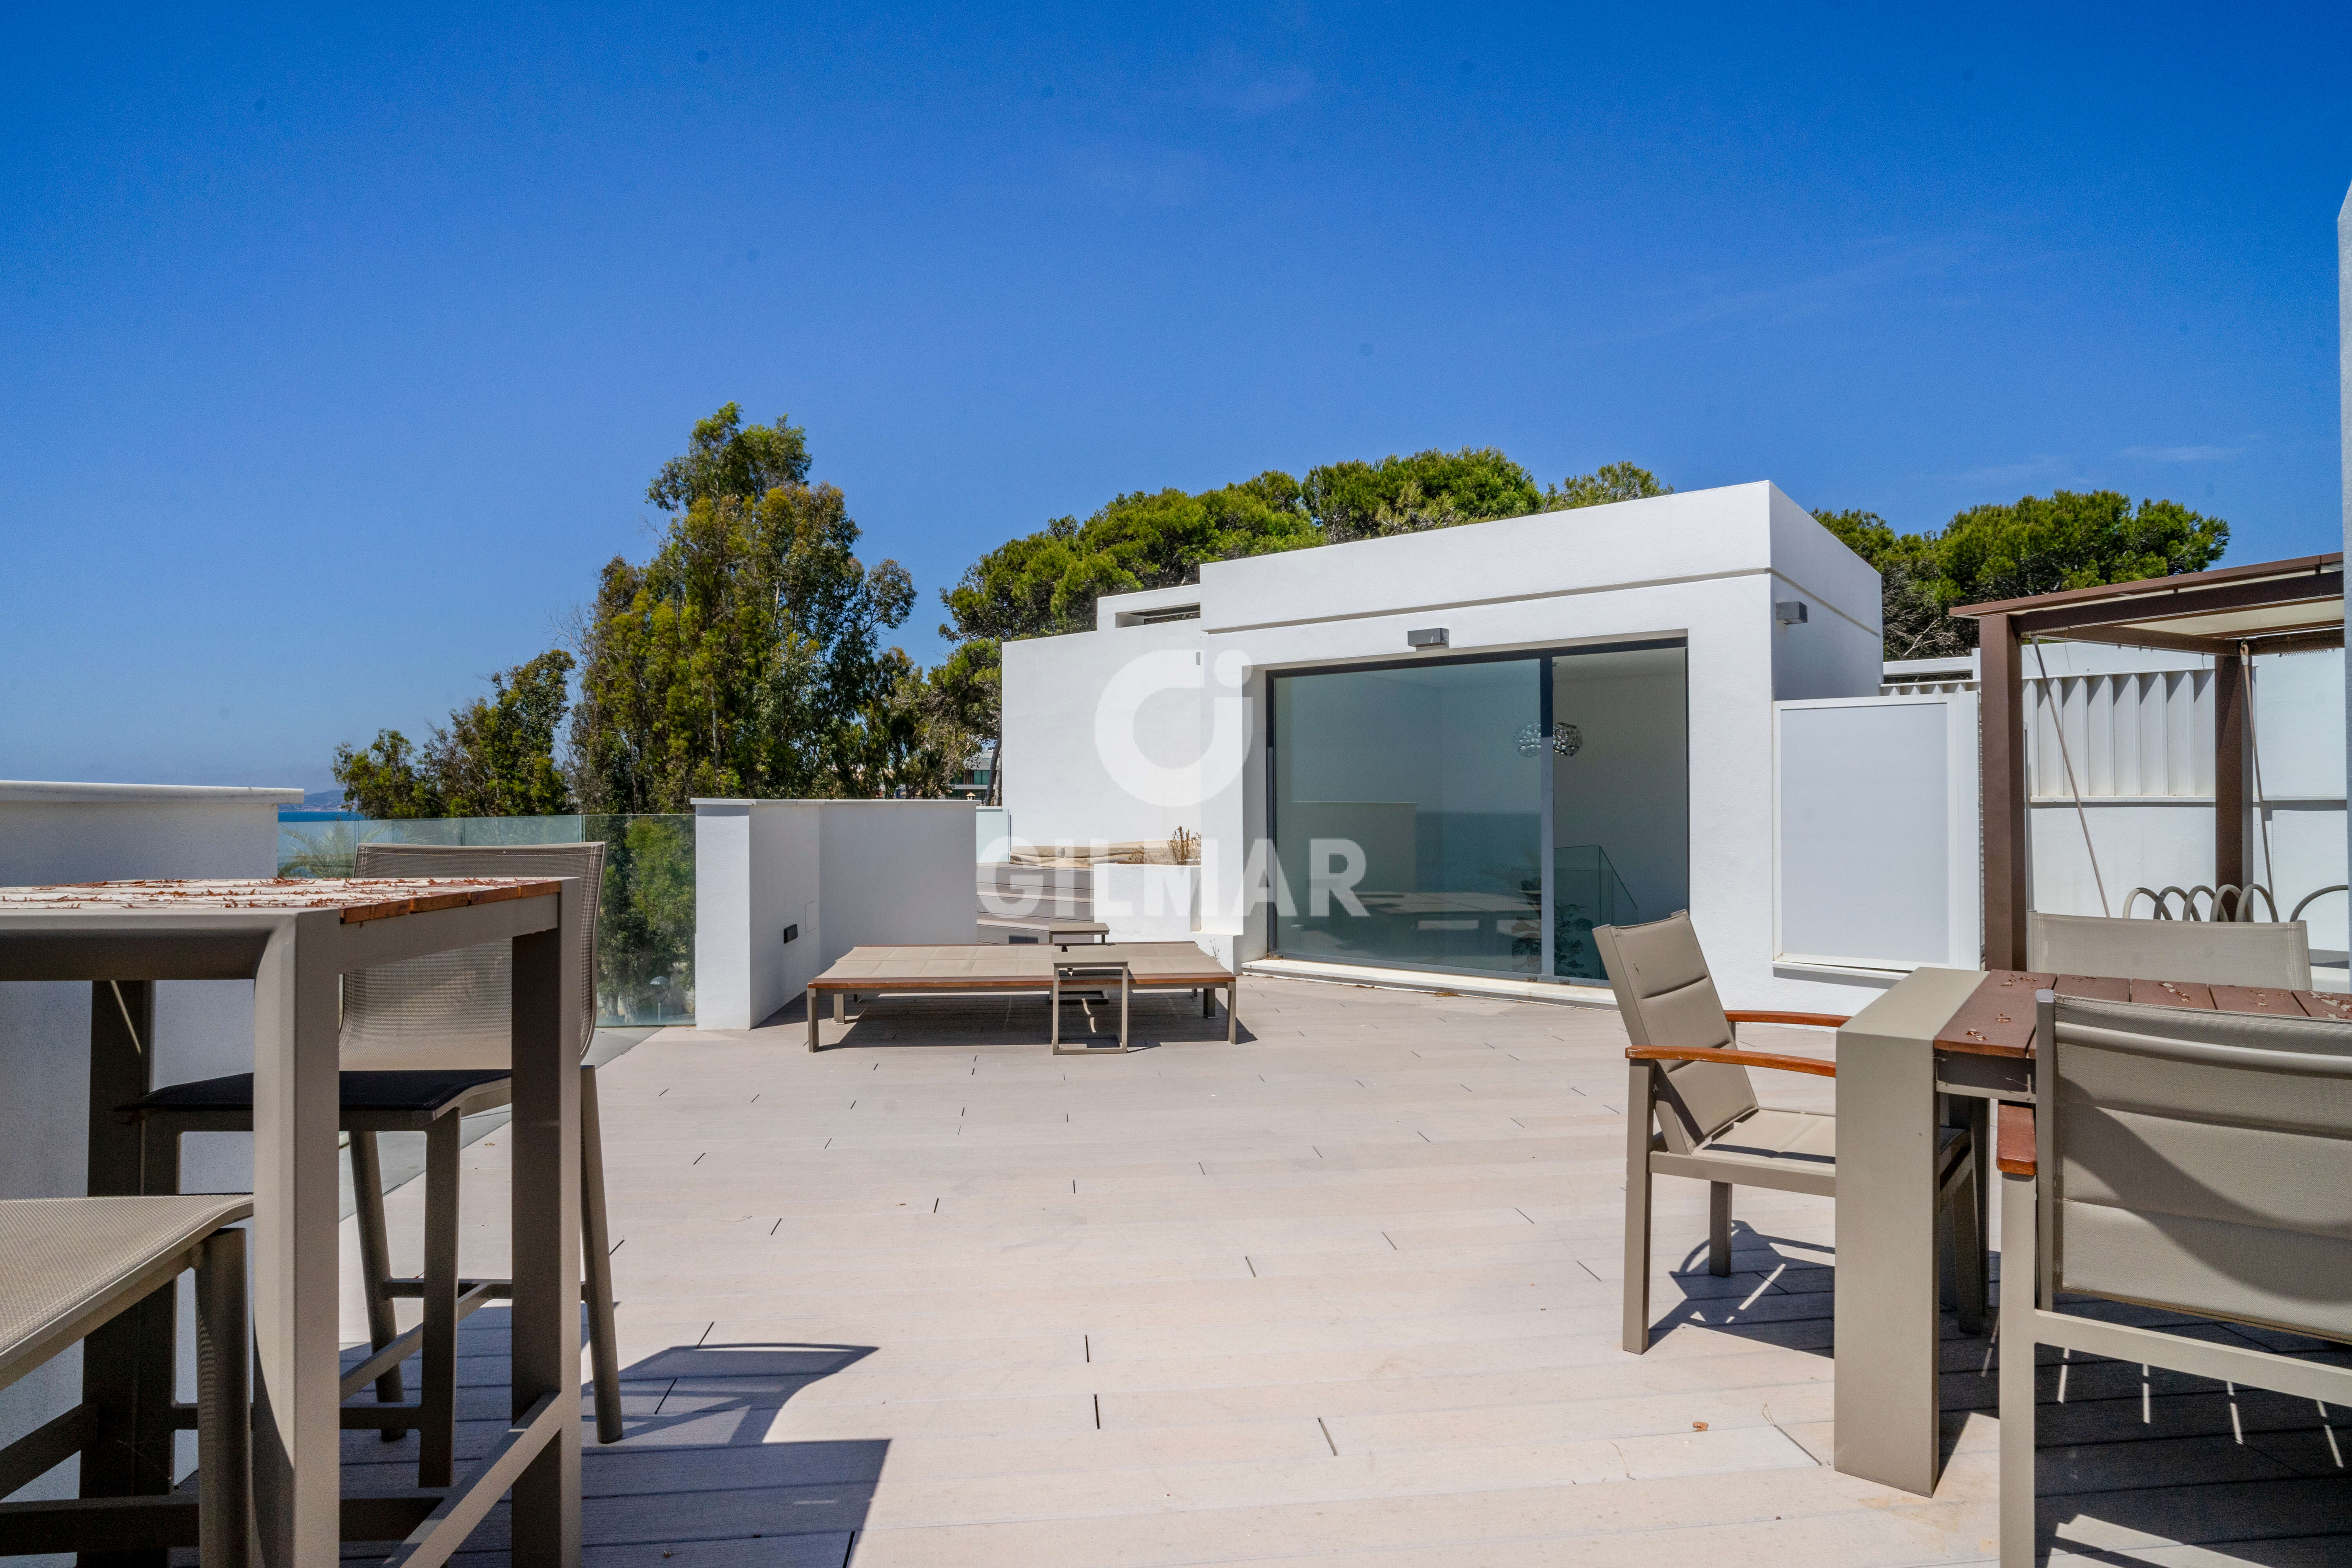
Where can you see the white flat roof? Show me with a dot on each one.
(55, 792)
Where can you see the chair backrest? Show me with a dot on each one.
(2274, 954)
(451, 1009)
(2203, 1162)
(1667, 998)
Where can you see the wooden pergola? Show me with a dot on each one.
(2231, 613)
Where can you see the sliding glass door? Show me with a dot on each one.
(1620, 811)
(1478, 814)
(1408, 818)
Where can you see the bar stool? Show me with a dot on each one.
(73, 1265)
(424, 1044)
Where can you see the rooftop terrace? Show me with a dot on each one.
(1345, 1293)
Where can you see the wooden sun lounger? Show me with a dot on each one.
(916, 970)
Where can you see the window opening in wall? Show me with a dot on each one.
(1159, 615)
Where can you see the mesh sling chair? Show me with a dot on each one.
(424, 1044)
(1691, 1111)
(2193, 1162)
(75, 1263)
(2213, 953)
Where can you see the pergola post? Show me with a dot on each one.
(2230, 695)
(2001, 791)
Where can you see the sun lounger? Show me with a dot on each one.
(934, 971)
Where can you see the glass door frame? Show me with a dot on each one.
(1545, 754)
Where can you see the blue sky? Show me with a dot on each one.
(339, 350)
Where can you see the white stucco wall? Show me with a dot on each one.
(84, 833)
(846, 872)
(1147, 903)
(893, 870)
(1839, 651)
(1706, 566)
(1057, 788)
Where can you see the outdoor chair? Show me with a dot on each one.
(2272, 954)
(425, 1044)
(73, 1266)
(1691, 1111)
(2191, 1162)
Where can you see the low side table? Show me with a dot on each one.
(1091, 973)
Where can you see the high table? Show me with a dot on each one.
(295, 938)
(1940, 1048)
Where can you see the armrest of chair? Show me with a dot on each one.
(1811, 1020)
(2013, 1147)
(1737, 1059)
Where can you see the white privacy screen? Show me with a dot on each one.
(1865, 846)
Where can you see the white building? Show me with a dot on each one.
(1486, 738)
(1724, 737)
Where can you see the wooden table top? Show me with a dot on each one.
(360, 898)
(1997, 1020)
(985, 966)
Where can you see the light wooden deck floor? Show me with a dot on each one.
(1343, 1294)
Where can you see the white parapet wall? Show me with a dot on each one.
(109, 832)
(833, 874)
(106, 832)
(1151, 903)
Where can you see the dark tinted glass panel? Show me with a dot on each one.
(1408, 815)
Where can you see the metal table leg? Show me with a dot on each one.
(126, 1376)
(545, 1140)
(1887, 1398)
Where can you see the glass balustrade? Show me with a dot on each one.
(1586, 891)
(644, 929)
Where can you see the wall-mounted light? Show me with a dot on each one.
(1428, 636)
(1789, 612)
(1567, 740)
(791, 932)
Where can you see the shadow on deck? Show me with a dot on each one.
(694, 1482)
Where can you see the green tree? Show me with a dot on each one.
(744, 658)
(910, 743)
(967, 694)
(722, 459)
(2037, 545)
(496, 757)
(1610, 483)
(1047, 581)
(388, 779)
(2043, 544)
(1428, 490)
(1910, 581)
